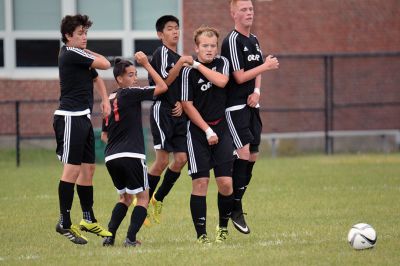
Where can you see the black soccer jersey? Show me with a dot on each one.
(243, 53)
(163, 60)
(76, 79)
(208, 99)
(124, 125)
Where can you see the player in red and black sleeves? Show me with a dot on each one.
(242, 50)
(168, 124)
(209, 142)
(125, 153)
(73, 128)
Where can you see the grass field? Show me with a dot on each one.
(299, 210)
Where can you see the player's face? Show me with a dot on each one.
(243, 13)
(78, 38)
(207, 48)
(129, 78)
(170, 34)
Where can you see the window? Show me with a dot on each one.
(144, 15)
(37, 15)
(2, 15)
(108, 48)
(37, 53)
(105, 14)
(1, 53)
(147, 46)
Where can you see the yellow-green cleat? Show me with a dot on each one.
(221, 234)
(94, 228)
(203, 240)
(157, 208)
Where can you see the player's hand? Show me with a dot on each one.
(271, 62)
(105, 108)
(187, 60)
(253, 99)
(141, 58)
(213, 139)
(177, 110)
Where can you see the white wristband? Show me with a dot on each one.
(209, 133)
(257, 91)
(195, 64)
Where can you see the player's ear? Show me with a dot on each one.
(196, 49)
(160, 35)
(68, 36)
(119, 79)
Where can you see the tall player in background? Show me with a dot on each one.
(246, 66)
(168, 124)
(73, 128)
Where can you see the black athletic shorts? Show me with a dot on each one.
(169, 132)
(129, 175)
(245, 126)
(202, 157)
(75, 139)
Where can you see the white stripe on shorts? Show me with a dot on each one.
(192, 159)
(156, 114)
(232, 129)
(67, 138)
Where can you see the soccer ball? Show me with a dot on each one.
(362, 236)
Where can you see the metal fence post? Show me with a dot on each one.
(328, 67)
(17, 132)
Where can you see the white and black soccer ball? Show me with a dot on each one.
(362, 236)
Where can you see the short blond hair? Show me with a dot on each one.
(234, 2)
(205, 30)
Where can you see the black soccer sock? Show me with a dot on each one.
(153, 182)
(239, 178)
(249, 171)
(118, 214)
(139, 213)
(225, 206)
(198, 208)
(66, 196)
(168, 182)
(85, 194)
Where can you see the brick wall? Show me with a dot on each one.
(283, 27)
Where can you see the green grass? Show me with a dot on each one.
(299, 210)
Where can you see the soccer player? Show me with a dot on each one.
(246, 66)
(73, 128)
(209, 142)
(168, 124)
(125, 155)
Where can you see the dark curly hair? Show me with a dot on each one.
(69, 24)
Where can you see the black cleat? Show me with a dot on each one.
(108, 241)
(239, 222)
(72, 234)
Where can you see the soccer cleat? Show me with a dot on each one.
(128, 243)
(221, 235)
(239, 222)
(72, 234)
(108, 241)
(157, 208)
(134, 201)
(94, 228)
(204, 240)
(147, 221)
